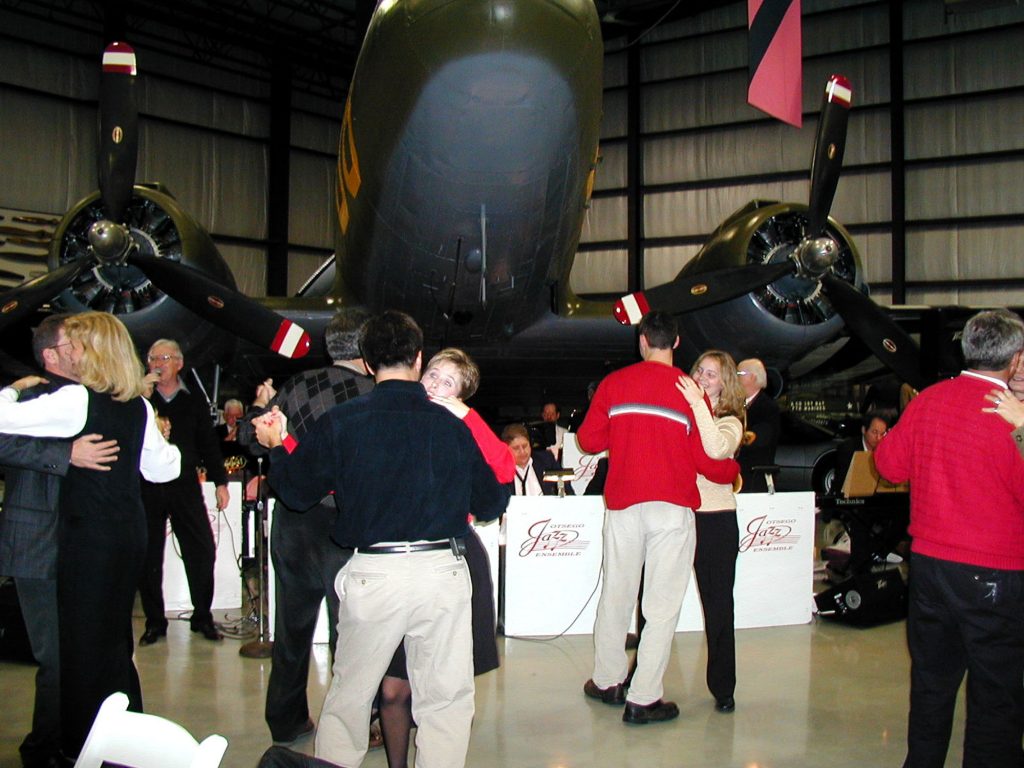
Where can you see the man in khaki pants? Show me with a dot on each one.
(405, 474)
(654, 455)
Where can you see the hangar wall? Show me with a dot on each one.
(704, 152)
(204, 133)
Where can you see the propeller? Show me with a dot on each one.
(111, 242)
(119, 129)
(879, 332)
(699, 291)
(811, 260)
(22, 300)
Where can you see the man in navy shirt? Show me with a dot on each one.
(406, 475)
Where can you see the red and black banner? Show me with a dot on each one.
(776, 59)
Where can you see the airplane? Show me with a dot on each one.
(464, 175)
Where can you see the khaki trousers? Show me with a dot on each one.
(423, 597)
(657, 538)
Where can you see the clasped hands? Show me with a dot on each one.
(271, 428)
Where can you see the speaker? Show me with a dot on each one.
(865, 599)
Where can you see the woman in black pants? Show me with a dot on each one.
(714, 563)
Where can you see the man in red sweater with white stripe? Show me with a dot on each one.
(967, 556)
(654, 455)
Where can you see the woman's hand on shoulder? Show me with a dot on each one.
(26, 382)
(452, 404)
(1006, 405)
(692, 391)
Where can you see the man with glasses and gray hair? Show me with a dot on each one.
(181, 500)
(761, 436)
(967, 555)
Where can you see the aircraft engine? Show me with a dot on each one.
(792, 314)
(160, 228)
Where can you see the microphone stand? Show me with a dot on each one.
(261, 647)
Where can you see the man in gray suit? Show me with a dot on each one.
(28, 535)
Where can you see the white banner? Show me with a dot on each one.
(553, 563)
(582, 464)
(227, 535)
(775, 565)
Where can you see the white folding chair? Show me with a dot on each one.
(144, 741)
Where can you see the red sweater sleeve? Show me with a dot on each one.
(495, 452)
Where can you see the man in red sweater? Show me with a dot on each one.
(967, 556)
(654, 455)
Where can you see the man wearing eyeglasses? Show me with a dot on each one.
(762, 434)
(28, 531)
(181, 500)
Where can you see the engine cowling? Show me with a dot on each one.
(793, 316)
(160, 227)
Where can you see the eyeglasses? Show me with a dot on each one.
(742, 373)
(58, 346)
(162, 358)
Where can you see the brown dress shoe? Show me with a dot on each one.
(613, 694)
(655, 712)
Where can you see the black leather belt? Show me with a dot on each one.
(457, 546)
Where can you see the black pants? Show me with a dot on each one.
(969, 619)
(305, 564)
(98, 567)
(38, 600)
(181, 501)
(714, 565)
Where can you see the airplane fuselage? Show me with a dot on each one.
(469, 139)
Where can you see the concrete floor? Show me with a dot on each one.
(822, 694)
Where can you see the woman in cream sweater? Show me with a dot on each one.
(721, 431)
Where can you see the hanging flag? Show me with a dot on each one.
(776, 59)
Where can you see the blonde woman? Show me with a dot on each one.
(714, 564)
(102, 526)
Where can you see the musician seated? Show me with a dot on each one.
(873, 512)
(874, 425)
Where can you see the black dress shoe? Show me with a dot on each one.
(303, 730)
(208, 631)
(613, 694)
(727, 704)
(656, 712)
(150, 636)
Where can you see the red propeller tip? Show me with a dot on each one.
(291, 340)
(839, 90)
(630, 309)
(119, 58)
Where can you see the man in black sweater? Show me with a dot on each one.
(405, 475)
(181, 500)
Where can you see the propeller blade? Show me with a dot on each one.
(119, 129)
(224, 307)
(829, 146)
(685, 294)
(879, 332)
(24, 299)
